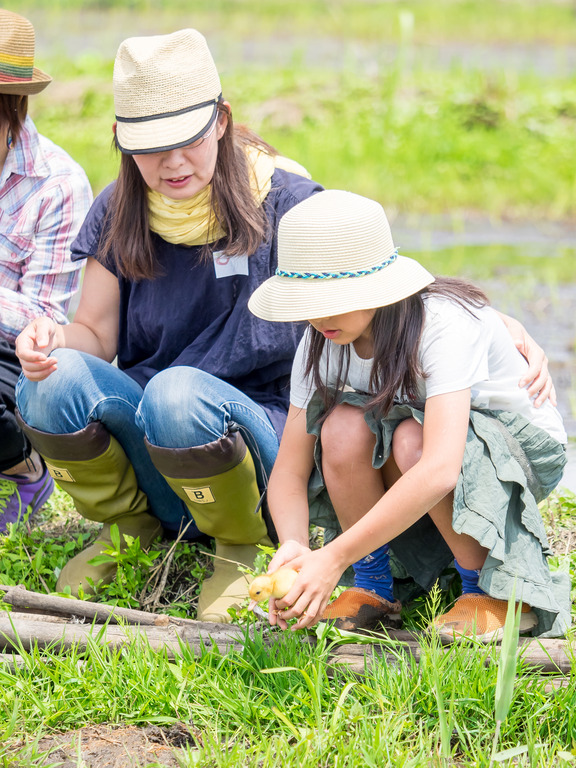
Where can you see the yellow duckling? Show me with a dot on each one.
(268, 585)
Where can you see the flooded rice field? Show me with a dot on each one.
(100, 32)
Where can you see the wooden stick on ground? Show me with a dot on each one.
(546, 654)
(64, 606)
(27, 633)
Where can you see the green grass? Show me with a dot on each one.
(279, 704)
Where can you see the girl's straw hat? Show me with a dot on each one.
(18, 75)
(166, 90)
(335, 255)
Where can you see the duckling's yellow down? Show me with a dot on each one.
(276, 584)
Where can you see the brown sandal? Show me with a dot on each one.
(480, 616)
(358, 608)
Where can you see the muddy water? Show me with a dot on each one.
(547, 308)
(100, 33)
(505, 251)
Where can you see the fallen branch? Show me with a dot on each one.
(30, 632)
(546, 655)
(63, 606)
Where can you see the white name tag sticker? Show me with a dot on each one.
(226, 266)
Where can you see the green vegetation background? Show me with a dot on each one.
(356, 92)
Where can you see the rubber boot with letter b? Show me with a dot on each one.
(217, 482)
(92, 467)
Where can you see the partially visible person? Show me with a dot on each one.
(44, 197)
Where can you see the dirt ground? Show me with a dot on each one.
(104, 746)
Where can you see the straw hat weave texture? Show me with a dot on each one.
(166, 88)
(335, 255)
(18, 75)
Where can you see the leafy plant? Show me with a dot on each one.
(507, 672)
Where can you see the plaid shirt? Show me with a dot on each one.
(44, 197)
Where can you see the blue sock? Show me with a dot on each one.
(373, 573)
(469, 580)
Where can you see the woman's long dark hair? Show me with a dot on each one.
(13, 111)
(127, 238)
(396, 331)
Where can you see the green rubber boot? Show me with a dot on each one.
(92, 467)
(217, 482)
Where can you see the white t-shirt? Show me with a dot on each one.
(457, 350)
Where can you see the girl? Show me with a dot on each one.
(182, 433)
(405, 397)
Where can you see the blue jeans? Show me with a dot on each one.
(180, 407)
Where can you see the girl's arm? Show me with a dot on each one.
(414, 494)
(287, 494)
(288, 487)
(94, 330)
(537, 377)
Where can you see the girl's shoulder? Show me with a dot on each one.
(446, 309)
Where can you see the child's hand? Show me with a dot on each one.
(318, 576)
(290, 550)
(285, 556)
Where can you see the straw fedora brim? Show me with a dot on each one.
(292, 299)
(38, 82)
(163, 133)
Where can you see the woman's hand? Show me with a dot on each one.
(537, 378)
(318, 575)
(34, 345)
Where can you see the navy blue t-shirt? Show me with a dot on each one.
(195, 312)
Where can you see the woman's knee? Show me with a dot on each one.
(407, 444)
(177, 409)
(40, 402)
(82, 389)
(346, 438)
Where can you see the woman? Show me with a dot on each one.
(405, 392)
(183, 433)
(44, 196)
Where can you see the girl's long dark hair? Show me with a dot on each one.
(13, 111)
(396, 331)
(127, 238)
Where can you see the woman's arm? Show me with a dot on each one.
(94, 330)
(414, 494)
(537, 378)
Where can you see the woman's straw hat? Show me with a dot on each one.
(335, 255)
(166, 91)
(18, 75)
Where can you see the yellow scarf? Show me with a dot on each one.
(188, 222)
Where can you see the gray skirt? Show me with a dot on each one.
(509, 466)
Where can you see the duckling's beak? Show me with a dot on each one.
(253, 604)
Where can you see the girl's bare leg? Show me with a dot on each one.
(353, 485)
(406, 451)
